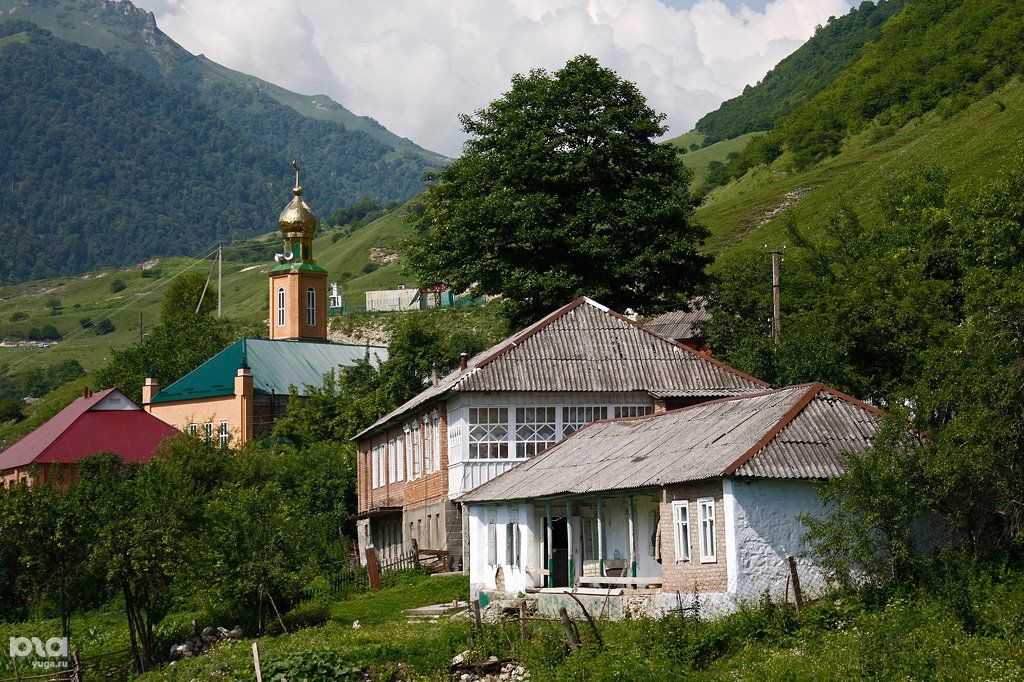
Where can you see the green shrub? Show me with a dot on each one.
(370, 267)
(117, 285)
(305, 615)
(104, 326)
(18, 316)
(311, 665)
(152, 273)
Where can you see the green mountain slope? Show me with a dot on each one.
(800, 76)
(939, 87)
(345, 156)
(101, 165)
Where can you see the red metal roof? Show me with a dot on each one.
(79, 431)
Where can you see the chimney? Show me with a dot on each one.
(463, 361)
(150, 387)
(433, 375)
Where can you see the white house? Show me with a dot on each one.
(702, 499)
(580, 363)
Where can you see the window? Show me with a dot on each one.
(400, 458)
(576, 417)
(488, 433)
(428, 447)
(391, 461)
(535, 430)
(706, 510)
(310, 307)
(437, 444)
(415, 449)
(193, 429)
(280, 306)
(681, 529)
(430, 525)
(632, 410)
(492, 539)
(375, 465)
(222, 434)
(588, 538)
(513, 540)
(208, 430)
(654, 547)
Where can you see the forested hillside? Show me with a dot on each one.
(102, 166)
(221, 191)
(800, 76)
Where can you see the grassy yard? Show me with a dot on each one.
(965, 626)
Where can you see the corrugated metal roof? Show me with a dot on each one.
(275, 365)
(681, 324)
(793, 432)
(584, 346)
(77, 432)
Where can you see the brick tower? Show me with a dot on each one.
(298, 286)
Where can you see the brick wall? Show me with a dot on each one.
(424, 488)
(687, 576)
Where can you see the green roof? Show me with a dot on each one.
(275, 365)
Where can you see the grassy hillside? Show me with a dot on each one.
(801, 75)
(91, 296)
(698, 159)
(974, 144)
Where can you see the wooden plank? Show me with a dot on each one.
(613, 580)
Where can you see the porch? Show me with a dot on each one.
(607, 541)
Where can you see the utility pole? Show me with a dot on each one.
(776, 302)
(140, 326)
(220, 273)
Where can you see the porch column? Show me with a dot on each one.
(551, 552)
(600, 536)
(632, 541)
(568, 540)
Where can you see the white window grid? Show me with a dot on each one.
(193, 429)
(428, 448)
(633, 410)
(681, 529)
(208, 430)
(399, 458)
(488, 433)
(222, 434)
(706, 514)
(575, 417)
(513, 540)
(437, 443)
(280, 306)
(588, 537)
(392, 475)
(536, 429)
(415, 449)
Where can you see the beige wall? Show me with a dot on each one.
(687, 576)
(181, 414)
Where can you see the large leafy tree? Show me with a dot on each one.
(562, 191)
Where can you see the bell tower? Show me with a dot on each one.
(298, 286)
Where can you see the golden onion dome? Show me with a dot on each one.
(297, 219)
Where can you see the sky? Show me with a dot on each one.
(415, 65)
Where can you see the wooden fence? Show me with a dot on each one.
(115, 665)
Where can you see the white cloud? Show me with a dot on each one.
(415, 64)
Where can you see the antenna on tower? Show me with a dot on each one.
(297, 167)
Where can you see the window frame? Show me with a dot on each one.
(492, 538)
(513, 541)
(280, 307)
(526, 430)
(708, 530)
(681, 525)
(208, 431)
(222, 433)
(310, 307)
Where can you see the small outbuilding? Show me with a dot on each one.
(106, 421)
(702, 500)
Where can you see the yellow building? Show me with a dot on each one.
(241, 391)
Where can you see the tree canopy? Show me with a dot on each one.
(563, 191)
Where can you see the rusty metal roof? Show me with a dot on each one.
(584, 346)
(681, 324)
(794, 432)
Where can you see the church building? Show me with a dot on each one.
(239, 392)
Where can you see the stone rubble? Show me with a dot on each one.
(201, 643)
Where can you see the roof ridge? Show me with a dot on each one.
(702, 356)
(812, 390)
